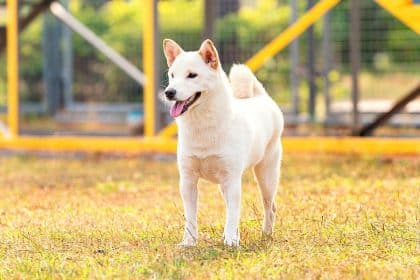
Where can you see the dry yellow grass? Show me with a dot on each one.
(339, 217)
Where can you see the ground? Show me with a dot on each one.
(339, 217)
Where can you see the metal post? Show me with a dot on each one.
(326, 41)
(227, 6)
(13, 67)
(150, 60)
(51, 39)
(67, 62)
(228, 49)
(294, 62)
(355, 60)
(210, 10)
(311, 67)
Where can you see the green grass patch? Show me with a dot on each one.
(339, 217)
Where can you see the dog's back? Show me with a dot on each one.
(253, 104)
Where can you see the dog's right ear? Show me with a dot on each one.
(171, 50)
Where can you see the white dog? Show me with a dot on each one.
(224, 128)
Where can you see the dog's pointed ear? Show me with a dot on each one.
(171, 50)
(209, 54)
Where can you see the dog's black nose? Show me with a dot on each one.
(170, 93)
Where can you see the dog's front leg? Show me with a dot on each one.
(231, 191)
(188, 189)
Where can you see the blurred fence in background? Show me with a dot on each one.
(91, 95)
(390, 66)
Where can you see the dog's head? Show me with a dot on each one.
(191, 74)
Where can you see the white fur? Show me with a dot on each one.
(233, 126)
(244, 83)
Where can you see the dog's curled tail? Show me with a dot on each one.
(244, 83)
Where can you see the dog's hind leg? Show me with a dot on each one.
(267, 173)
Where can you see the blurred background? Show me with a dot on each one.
(69, 87)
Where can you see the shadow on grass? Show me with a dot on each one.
(214, 249)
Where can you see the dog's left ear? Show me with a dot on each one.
(209, 54)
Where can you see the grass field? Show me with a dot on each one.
(339, 217)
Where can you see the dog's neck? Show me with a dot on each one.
(208, 119)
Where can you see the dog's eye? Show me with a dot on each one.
(192, 75)
(172, 75)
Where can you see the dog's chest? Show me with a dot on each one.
(211, 168)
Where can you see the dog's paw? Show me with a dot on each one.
(187, 242)
(266, 236)
(231, 240)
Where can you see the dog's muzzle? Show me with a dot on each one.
(181, 106)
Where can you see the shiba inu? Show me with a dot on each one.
(225, 125)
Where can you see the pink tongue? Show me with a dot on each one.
(176, 108)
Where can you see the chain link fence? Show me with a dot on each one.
(67, 85)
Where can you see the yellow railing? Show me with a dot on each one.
(149, 66)
(128, 145)
(345, 145)
(12, 68)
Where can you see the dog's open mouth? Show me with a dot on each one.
(180, 107)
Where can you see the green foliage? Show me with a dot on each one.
(254, 27)
(120, 24)
(31, 62)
